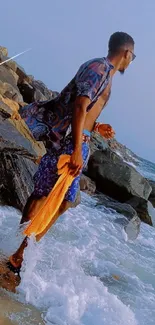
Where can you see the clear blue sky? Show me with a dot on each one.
(64, 34)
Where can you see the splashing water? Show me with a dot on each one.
(83, 272)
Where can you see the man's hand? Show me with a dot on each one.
(76, 162)
(15, 116)
(105, 130)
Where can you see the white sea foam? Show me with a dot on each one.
(85, 272)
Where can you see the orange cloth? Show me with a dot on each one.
(54, 200)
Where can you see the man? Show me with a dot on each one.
(65, 124)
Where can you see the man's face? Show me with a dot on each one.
(127, 58)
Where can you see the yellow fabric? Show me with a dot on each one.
(54, 200)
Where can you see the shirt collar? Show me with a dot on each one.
(108, 63)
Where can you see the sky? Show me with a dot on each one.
(65, 33)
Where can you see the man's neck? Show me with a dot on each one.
(115, 61)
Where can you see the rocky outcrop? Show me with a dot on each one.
(115, 178)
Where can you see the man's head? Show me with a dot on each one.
(121, 46)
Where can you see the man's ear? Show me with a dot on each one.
(127, 54)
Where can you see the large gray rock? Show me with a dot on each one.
(16, 182)
(115, 178)
(16, 165)
(152, 194)
(142, 209)
(121, 208)
(129, 219)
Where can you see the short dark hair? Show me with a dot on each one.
(119, 40)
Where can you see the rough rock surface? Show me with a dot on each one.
(152, 194)
(115, 178)
(141, 207)
(87, 185)
(121, 208)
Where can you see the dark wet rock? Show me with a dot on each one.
(16, 165)
(115, 178)
(27, 92)
(121, 208)
(152, 194)
(87, 185)
(141, 207)
(32, 92)
(16, 182)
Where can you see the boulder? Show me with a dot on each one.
(22, 75)
(14, 106)
(17, 168)
(97, 143)
(121, 208)
(115, 178)
(129, 219)
(42, 88)
(30, 93)
(16, 182)
(142, 209)
(87, 185)
(9, 91)
(7, 77)
(3, 51)
(152, 194)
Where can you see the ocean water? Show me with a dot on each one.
(85, 271)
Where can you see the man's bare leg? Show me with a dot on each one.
(17, 258)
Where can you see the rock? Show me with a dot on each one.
(27, 92)
(3, 51)
(115, 178)
(41, 87)
(9, 91)
(121, 208)
(14, 107)
(121, 150)
(97, 143)
(16, 138)
(54, 94)
(14, 74)
(5, 110)
(141, 207)
(152, 194)
(87, 185)
(31, 94)
(7, 77)
(22, 75)
(17, 172)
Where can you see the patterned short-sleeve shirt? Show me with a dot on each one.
(49, 121)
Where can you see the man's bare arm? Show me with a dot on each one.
(79, 115)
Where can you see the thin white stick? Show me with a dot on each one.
(15, 56)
